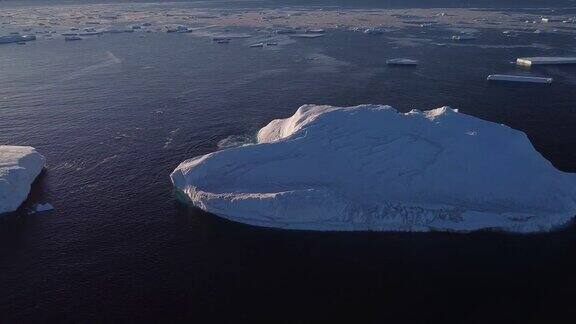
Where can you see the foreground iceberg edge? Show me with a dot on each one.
(19, 167)
(370, 168)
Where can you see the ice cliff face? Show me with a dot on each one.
(372, 168)
(19, 166)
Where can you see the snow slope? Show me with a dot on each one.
(372, 168)
(19, 166)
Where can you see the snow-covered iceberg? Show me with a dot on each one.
(19, 166)
(372, 168)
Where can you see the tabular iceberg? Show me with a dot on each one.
(19, 166)
(371, 168)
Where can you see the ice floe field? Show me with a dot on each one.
(115, 97)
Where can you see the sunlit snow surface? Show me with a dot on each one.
(19, 167)
(372, 168)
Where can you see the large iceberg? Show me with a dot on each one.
(372, 168)
(19, 166)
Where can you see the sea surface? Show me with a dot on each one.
(114, 115)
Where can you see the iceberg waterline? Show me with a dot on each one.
(371, 168)
(19, 167)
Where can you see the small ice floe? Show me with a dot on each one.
(72, 38)
(43, 208)
(90, 31)
(16, 38)
(545, 60)
(510, 33)
(285, 31)
(373, 31)
(402, 62)
(518, 78)
(307, 35)
(549, 20)
(257, 45)
(463, 37)
(315, 31)
(183, 29)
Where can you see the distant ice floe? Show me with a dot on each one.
(547, 60)
(307, 35)
(371, 168)
(402, 62)
(50, 22)
(19, 167)
(519, 78)
(15, 38)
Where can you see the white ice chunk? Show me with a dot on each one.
(372, 168)
(402, 61)
(463, 37)
(19, 166)
(373, 31)
(44, 207)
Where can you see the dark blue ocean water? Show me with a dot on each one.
(114, 115)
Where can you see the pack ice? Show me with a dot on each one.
(372, 168)
(19, 166)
